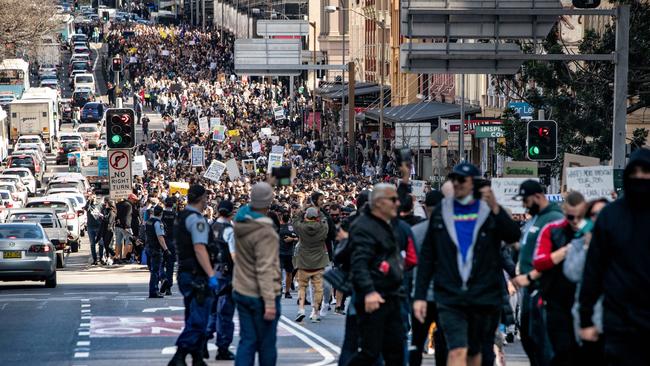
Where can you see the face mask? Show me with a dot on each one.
(465, 200)
(638, 191)
(534, 209)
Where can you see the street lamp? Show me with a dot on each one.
(382, 25)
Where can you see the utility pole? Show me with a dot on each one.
(461, 130)
(620, 85)
(343, 71)
(351, 123)
(221, 30)
(313, 93)
(382, 29)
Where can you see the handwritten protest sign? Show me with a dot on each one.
(257, 148)
(215, 170)
(233, 169)
(418, 189)
(203, 124)
(505, 190)
(198, 155)
(215, 121)
(275, 161)
(593, 181)
(219, 133)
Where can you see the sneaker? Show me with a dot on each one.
(109, 262)
(323, 312)
(157, 295)
(315, 318)
(288, 296)
(339, 310)
(168, 292)
(225, 355)
(307, 303)
(301, 316)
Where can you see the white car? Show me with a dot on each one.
(64, 210)
(26, 175)
(70, 177)
(66, 183)
(30, 139)
(90, 132)
(81, 50)
(76, 204)
(84, 81)
(21, 190)
(72, 136)
(16, 195)
(8, 201)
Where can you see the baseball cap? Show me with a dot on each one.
(528, 188)
(465, 169)
(311, 213)
(225, 207)
(195, 192)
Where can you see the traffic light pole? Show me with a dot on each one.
(620, 85)
(118, 100)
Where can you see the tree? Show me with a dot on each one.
(24, 23)
(579, 96)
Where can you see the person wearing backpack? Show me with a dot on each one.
(223, 309)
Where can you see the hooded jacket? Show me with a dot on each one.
(475, 281)
(257, 264)
(617, 261)
(531, 231)
(311, 253)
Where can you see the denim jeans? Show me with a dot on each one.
(256, 335)
(92, 238)
(221, 316)
(193, 337)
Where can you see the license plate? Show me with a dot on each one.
(12, 255)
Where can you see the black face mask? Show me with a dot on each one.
(637, 191)
(534, 209)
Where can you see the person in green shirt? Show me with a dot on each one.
(543, 212)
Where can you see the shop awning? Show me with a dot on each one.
(420, 112)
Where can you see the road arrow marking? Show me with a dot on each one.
(169, 308)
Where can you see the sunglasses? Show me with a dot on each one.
(458, 178)
(572, 217)
(393, 199)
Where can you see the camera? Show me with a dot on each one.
(282, 175)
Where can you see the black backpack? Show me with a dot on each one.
(223, 260)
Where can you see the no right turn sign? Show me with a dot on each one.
(119, 173)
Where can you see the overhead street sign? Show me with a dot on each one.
(433, 58)
(282, 28)
(119, 173)
(268, 56)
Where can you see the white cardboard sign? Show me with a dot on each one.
(215, 170)
(592, 181)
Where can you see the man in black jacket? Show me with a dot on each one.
(617, 266)
(462, 250)
(377, 271)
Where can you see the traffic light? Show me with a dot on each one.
(117, 64)
(105, 16)
(541, 140)
(120, 130)
(586, 4)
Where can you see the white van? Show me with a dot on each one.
(84, 81)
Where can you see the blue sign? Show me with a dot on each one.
(102, 165)
(522, 108)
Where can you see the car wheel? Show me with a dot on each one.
(51, 282)
(74, 246)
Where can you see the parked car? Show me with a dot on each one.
(26, 175)
(50, 223)
(65, 212)
(27, 254)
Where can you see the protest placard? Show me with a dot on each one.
(198, 155)
(233, 169)
(233, 133)
(265, 131)
(277, 149)
(505, 190)
(182, 125)
(249, 166)
(256, 146)
(219, 133)
(418, 189)
(203, 125)
(215, 170)
(215, 121)
(278, 113)
(139, 165)
(593, 181)
(275, 161)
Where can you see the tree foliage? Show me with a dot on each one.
(579, 96)
(23, 23)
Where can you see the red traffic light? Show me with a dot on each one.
(544, 132)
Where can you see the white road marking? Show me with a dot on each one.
(83, 343)
(85, 305)
(82, 334)
(324, 341)
(81, 354)
(170, 308)
(171, 350)
(328, 357)
(85, 310)
(86, 317)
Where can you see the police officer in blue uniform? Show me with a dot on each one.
(155, 246)
(223, 308)
(196, 277)
(167, 269)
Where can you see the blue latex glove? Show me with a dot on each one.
(213, 282)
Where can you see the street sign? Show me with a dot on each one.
(282, 28)
(439, 135)
(120, 178)
(523, 109)
(489, 131)
(268, 56)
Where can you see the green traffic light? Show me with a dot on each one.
(533, 151)
(116, 139)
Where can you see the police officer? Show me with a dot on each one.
(223, 308)
(167, 269)
(155, 246)
(196, 277)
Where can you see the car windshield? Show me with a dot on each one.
(22, 161)
(20, 173)
(78, 66)
(84, 79)
(58, 206)
(63, 185)
(5, 195)
(43, 218)
(29, 140)
(19, 232)
(49, 77)
(8, 187)
(87, 129)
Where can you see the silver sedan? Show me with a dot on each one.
(26, 253)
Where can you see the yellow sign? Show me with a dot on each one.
(233, 133)
(180, 187)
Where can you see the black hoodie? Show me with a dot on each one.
(618, 260)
